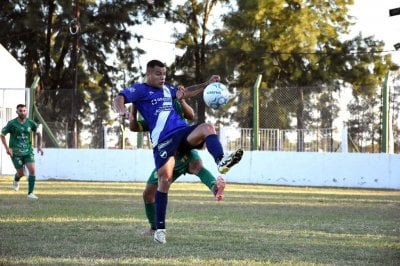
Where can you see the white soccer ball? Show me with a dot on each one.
(216, 95)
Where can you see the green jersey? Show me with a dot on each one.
(20, 135)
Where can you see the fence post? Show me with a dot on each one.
(385, 115)
(223, 138)
(33, 111)
(256, 136)
(344, 146)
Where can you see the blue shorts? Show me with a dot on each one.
(175, 145)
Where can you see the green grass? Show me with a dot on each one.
(89, 223)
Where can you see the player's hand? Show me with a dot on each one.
(40, 151)
(124, 114)
(9, 152)
(180, 93)
(214, 78)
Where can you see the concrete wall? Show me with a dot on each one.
(278, 168)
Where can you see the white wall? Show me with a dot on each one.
(12, 92)
(278, 168)
(12, 73)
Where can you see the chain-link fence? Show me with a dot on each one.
(290, 119)
(318, 140)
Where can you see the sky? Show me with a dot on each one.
(371, 18)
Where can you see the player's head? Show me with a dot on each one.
(21, 111)
(156, 73)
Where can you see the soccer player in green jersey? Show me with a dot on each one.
(189, 163)
(20, 147)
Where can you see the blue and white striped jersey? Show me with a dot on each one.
(156, 107)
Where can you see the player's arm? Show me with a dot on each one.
(4, 141)
(3, 134)
(187, 110)
(119, 106)
(39, 139)
(134, 124)
(193, 90)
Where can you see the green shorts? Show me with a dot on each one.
(181, 167)
(20, 160)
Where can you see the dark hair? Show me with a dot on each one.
(20, 105)
(154, 63)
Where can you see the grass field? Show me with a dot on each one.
(98, 223)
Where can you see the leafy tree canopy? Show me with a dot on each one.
(298, 45)
(44, 35)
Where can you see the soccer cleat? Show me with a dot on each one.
(229, 160)
(159, 236)
(32, 196)
(219, 188)
(15, 185)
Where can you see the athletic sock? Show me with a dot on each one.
(206, 178)
(31, 183)
(214, 147)
(161, 209)
(17, 178)
(150, 214)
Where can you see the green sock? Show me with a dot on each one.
(31, 183)
(206, 178)
(150, 214)
(17, 178)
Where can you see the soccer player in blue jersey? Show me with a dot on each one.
(170, 135)
(188, 163)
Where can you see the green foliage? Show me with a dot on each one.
(195, 17)
(295, 45)
(41, 36)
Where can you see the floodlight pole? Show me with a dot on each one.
(74, 30)
(385, 98)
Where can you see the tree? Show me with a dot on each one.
(364, 129)
(195, 16)
(69, 44)
(296, 45)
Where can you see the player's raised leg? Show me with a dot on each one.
(229, 160)
(206, 133)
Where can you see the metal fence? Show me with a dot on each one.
(324, 110)
(304, 140)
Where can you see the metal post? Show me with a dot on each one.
(74, 30)
(345, 144)
(385, 115)
(255, 143)
(32, 95)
